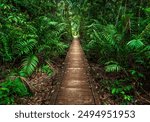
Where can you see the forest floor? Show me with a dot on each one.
(43, 86)
(98, 74)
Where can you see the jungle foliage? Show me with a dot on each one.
(115, 34)
(31, 34)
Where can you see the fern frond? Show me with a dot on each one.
(135, 44)
(96, 34)
(4, 47)
(29, 64)
(112, 66)
(43, 47)
(25, 47)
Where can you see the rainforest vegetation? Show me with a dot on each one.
(115, 36)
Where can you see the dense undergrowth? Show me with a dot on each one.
(115, 34)
(32, 34)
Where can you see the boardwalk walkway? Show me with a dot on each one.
(75, 88)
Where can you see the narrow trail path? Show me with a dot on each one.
(75, 87)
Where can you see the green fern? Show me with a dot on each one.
(10, 88)
(112, 66)
(24, 47)
(47, 69)
(29, 64)
(135, 44)
(4, 47)
(147, 10)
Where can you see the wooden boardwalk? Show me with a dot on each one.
(75, 88)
